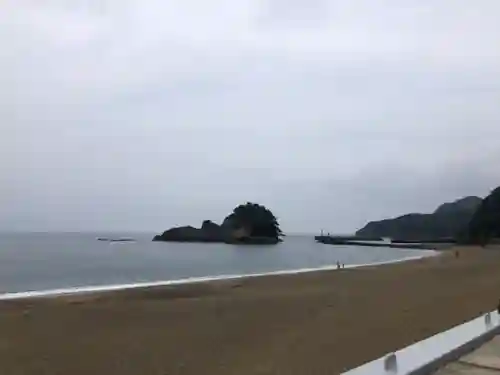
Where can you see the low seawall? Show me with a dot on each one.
(328, 240)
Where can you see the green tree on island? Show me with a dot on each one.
(258, 219)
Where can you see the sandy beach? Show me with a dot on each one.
(315, 323)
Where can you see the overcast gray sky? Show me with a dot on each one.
(144, 114)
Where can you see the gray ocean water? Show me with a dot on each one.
(40, 261)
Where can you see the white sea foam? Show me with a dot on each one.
(190, 280)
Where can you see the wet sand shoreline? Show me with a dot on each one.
(72, 291)
(315, 323)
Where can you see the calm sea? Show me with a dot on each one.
(40, 261)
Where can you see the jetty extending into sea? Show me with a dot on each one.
(385, 242)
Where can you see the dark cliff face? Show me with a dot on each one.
(467, 205)
(446, 222)
(485, 223)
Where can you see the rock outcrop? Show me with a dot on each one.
(247, 224)
(190, 234)
(445, 222)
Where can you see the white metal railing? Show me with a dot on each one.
(416, 357)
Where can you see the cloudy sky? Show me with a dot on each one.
(144, 114)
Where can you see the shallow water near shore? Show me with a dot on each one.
(45, 261)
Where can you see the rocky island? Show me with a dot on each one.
(249, 223)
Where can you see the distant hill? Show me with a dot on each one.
(485, 223)
(445, 222)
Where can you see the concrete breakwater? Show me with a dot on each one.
(334, 240)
